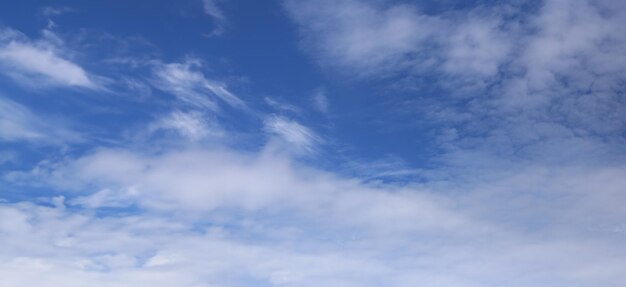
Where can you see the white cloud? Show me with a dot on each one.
(373, 38)
(35, 63)
(476, 47)
(189, 84)
(293, 135)
(282, 106)
(320, 101)
(211, 8)
(543, 86)
(50, 11)
(225, 217)
(7, 157)
(200, 181)
(18, 123)
(193, 125)
(106, 198)
(360, 36)
(561, 103)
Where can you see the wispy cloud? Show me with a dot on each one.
(185, 81)
(51, 11)
(192, 125)
(18, 123)
(37, 63)
(282, 106)
(212, 8)
(320, 102)
(291, 133)
(6, 157)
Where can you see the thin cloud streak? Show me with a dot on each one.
(20, 124)
(187, 83)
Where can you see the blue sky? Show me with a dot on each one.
(312, 143)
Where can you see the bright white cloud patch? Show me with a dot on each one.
(32, 62)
